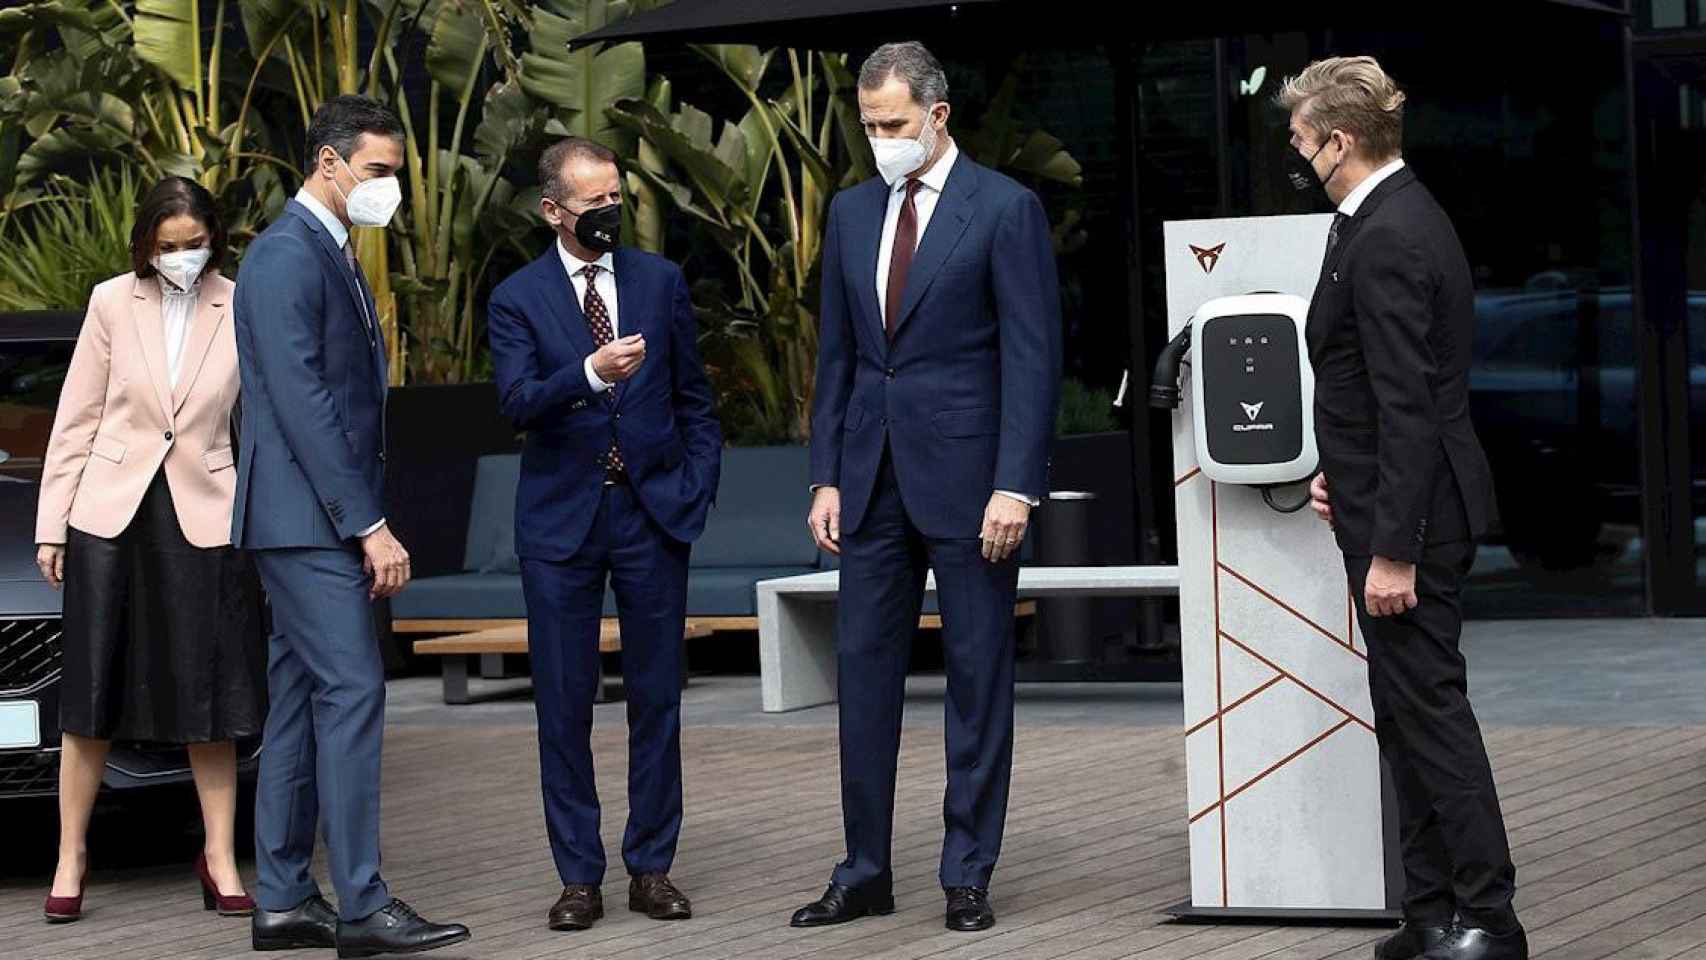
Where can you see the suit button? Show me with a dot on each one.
(889, 375)
(883, 422)
(381, 456)
(618, 416)
(168, 435)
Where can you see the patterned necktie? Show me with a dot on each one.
(598, 319)
(1339, 220)
(900, 255)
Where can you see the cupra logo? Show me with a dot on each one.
(1252, 410)
(1207, 257)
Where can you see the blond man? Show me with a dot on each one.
(1407, 490)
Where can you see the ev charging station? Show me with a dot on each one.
(1284, 778)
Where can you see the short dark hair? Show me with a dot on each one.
(558, 154)
(340, 122)
(172, 197)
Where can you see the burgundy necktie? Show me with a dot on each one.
(598, 318)
(900, 256)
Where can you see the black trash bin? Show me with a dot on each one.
(1066, 625)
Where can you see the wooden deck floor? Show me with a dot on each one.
(1608, 826)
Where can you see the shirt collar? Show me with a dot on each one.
(1354, 202)
(937, 176)
(328, 219)
(574, 264)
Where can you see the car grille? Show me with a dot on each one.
(30, 654)
(29, 774)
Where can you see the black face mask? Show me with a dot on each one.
(600, 228)
(1300, 170)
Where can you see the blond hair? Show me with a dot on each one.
(1352, 94)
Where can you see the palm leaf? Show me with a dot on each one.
(581, 84)
(167, 36)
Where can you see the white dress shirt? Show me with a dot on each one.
(606, 286)
(924, 205)
(1354, 201)
(177, 309)
(340, 236)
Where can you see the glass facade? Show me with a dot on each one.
(1589, 257)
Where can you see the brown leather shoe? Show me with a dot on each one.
(653, 895)
(577, 908)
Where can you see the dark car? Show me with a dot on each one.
(1554, 396)
(35, 350)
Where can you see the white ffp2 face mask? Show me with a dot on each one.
(898, 156)
(373, 202)
(182, 267)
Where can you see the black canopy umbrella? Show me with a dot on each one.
(847, 24)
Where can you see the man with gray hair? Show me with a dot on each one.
(1408, 491)
(937, 379)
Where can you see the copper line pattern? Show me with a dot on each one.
(1219, 705)
(1292, 610)
(1258, 778)
(1329, 701)
(1246, 698)
(1181, 481)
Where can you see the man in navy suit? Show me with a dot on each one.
(309, 484)
(596, 351)
(938, 375)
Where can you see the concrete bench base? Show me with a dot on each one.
(796, 621)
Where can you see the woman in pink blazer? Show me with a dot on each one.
(163, 637)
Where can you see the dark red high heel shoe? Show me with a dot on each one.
(64, 909)
(241, 905)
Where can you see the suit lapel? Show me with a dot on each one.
(555, 288)
(948, 223)
(376, 342)
(150, 326)
(335, 255)
(632, 313)
(209, 314)
(867, 246)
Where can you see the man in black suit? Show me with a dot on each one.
(1407, 489)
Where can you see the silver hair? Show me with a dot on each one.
(913, 64)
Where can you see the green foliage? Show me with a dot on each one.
(71, 236)
(1084, 410)
(222, 92)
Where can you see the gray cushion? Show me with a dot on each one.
(461, 596)
(491, 516)
(727, 591)
(760, 516)
(711, 592)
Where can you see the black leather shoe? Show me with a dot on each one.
(313, 923)
(1471, 943)
(395, 928)
(1412, 940)
(969, 910)
(655, 896)
(840, 904)
(580, 905)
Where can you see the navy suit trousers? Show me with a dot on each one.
(325, 727)
(647, 570)
(883, 566)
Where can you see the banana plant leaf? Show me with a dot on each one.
(168, 36)
(580, 84)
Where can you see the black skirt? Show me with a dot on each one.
(164, 641)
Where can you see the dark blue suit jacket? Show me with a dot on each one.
(965, 394)
(311, 470)
(662, 416)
